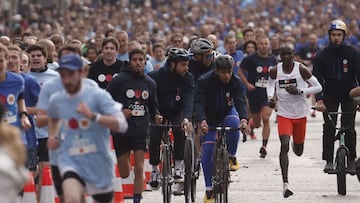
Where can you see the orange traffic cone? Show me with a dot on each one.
(118, 188)
(29, 195)
(147, 171)
(47, 193)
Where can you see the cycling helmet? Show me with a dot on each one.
(201, 45)
(337, 25)
(178, 54)
(224, 62)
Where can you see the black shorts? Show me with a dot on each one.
(256, 105)
(103, 197)
(55, 172)
(43, 152)
(124, 143)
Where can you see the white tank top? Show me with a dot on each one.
(291, 106)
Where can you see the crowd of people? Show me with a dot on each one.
(183, 62)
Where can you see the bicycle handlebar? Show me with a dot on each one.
(224, 128)
(329, 113)
(165, 126)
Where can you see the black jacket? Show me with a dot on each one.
(175, 93)
(137, 93)
(197, 68)
(338, 71)
(214, 99)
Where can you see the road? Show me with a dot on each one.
(259, 180)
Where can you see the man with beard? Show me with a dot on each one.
(175, 89)
(138, 94)
(337, 68)
(104, 70)
(82, 132)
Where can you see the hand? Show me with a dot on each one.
(53, 142)
(320, 106)
(158, 119)
(127, 113)
(25, 123)
(250, 87)
(84, 109)
(292, 90)
(186, 126)
(244, 127)
(272, 103)
(203, 128)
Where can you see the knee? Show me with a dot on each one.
(284, 148)
(266, 120)
(139, 170)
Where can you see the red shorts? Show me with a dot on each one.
(294, 127)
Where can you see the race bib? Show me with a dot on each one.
(137, 109)
(81, 146)
(10, 119)
(287, 83)
(262, 83)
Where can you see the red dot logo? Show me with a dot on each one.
(73, 124)
(137, 94)
(2, 99)
(109, 77)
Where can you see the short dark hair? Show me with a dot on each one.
(250, 42)
(36, 47)
(136, 51)
(158, 45)
(71, 48)
(110, 40)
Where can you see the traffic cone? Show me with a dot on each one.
(147, 171)
(29, 195)
(118, 188)
(47, 193)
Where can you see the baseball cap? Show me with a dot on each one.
(71, 62)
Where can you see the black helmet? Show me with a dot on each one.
(201, 45)
(224, 62)
(175, 54)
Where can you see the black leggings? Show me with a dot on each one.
(156, 137)
(347, 120)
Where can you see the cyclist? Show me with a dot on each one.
(83, 133)
(219, 100)
(203, 57)
(175, 90)
(138, 94)
(290, 79)
(337, 67)
(257, 67)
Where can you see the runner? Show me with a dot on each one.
(138, 94)
(257, 67)
(82, 131)
(289, 80)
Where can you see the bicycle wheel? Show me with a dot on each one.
(341, 171)
(195, 173)
(166, 176)
(219, 176)
(226, 176)
(188, 159)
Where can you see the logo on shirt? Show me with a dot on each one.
(10, 99)
(130, 93)
(75, 124)
(106, 78)
(345, 66)
(262, 69)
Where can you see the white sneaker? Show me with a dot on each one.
(178, 176)
(154, 180)
(177, 188)
(286, 190)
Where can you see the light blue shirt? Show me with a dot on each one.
(49, 88)
(85, 144)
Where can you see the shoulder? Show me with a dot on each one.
(90, 82)
(149, 80)
(304, 71)
(14, 78)
(273, 72)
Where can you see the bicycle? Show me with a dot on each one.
(342, 153)
(192, 167)
(167, 153)
(221, 174)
